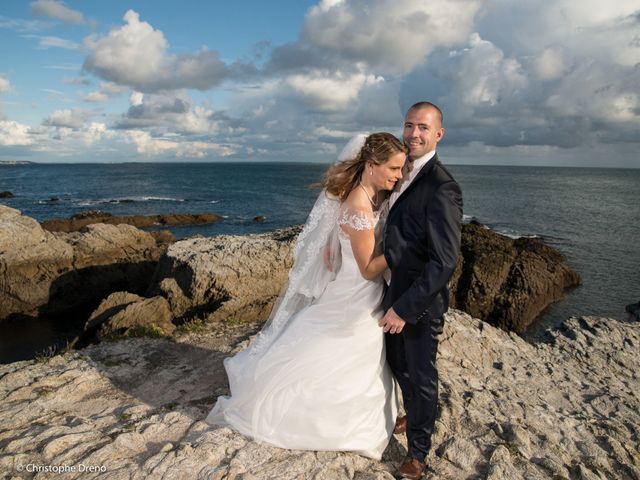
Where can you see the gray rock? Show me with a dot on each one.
(137, 407)
(225, 277)
(122, 313)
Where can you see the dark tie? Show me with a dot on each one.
(406, 170)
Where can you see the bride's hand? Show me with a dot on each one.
(327, 257)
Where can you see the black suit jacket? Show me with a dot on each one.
(422, 244)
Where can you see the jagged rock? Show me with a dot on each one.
(225, 277)
(633, 309)
(118, 319)
(259, 218)
(6, 194)
(179, 302)
(507, 282)
(76, 222)
(53, 273)
(502, 281)
(111, 305)
(137, 407)
(163, 238)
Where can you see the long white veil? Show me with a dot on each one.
(309, 276)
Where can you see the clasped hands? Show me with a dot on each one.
(391, 322)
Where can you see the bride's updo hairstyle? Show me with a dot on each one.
(344, 176)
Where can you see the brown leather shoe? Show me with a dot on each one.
(401, 425)
(411, 468)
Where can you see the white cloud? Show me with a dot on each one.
(157, 146)
(48, 42)
(599, 93)
(136, 55)
(329, 92)
(58, 10)
(23, 26)
(107, 89)
(110, 88)
(95, 132)
(67, 118)
(392, 35)
(95, 97)
(174, 113)
(136, 98)
(483, 76)
(14, 133)
(550, 64)
(5, 85)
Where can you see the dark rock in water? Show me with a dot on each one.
(54, 199)
(76, 222)
(507, 282)
(6, 194)
(259, 218)
(633, 309)
(92, 214)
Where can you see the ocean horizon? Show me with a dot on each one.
(589, 214)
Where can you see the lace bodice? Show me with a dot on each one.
(354, 219)
(358, 219)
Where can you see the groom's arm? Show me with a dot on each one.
(444, 227)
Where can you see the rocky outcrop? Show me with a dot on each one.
(633, 309)
(509, 410)
(507, 282)
(76, 222)
(6, 194)
(123, 313)
(225, 277)
(500, 280)
(55, 273)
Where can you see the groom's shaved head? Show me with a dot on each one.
(428, 105)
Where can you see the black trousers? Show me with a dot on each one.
(412, 358)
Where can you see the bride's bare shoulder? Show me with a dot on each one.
(357, 200)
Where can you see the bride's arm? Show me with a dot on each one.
(363, 244)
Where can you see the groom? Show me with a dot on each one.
(421, 246)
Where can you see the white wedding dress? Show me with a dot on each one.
(323, 383)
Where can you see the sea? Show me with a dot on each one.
(591, 215)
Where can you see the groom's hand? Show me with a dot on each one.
(391, 322)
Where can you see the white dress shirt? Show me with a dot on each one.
(411, 171)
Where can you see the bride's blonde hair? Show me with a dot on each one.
(344, 176)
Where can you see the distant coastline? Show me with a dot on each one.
(16, 162)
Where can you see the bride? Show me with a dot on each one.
(315, 377)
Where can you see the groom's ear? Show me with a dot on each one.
(439, 134)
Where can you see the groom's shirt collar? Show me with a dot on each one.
(416, 166)
(420, 162)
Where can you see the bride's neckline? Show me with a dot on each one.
(374, 206)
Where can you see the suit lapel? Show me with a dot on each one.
(423, 172)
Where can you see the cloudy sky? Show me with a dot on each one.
(528, 82)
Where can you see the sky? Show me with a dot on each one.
(526, 82)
